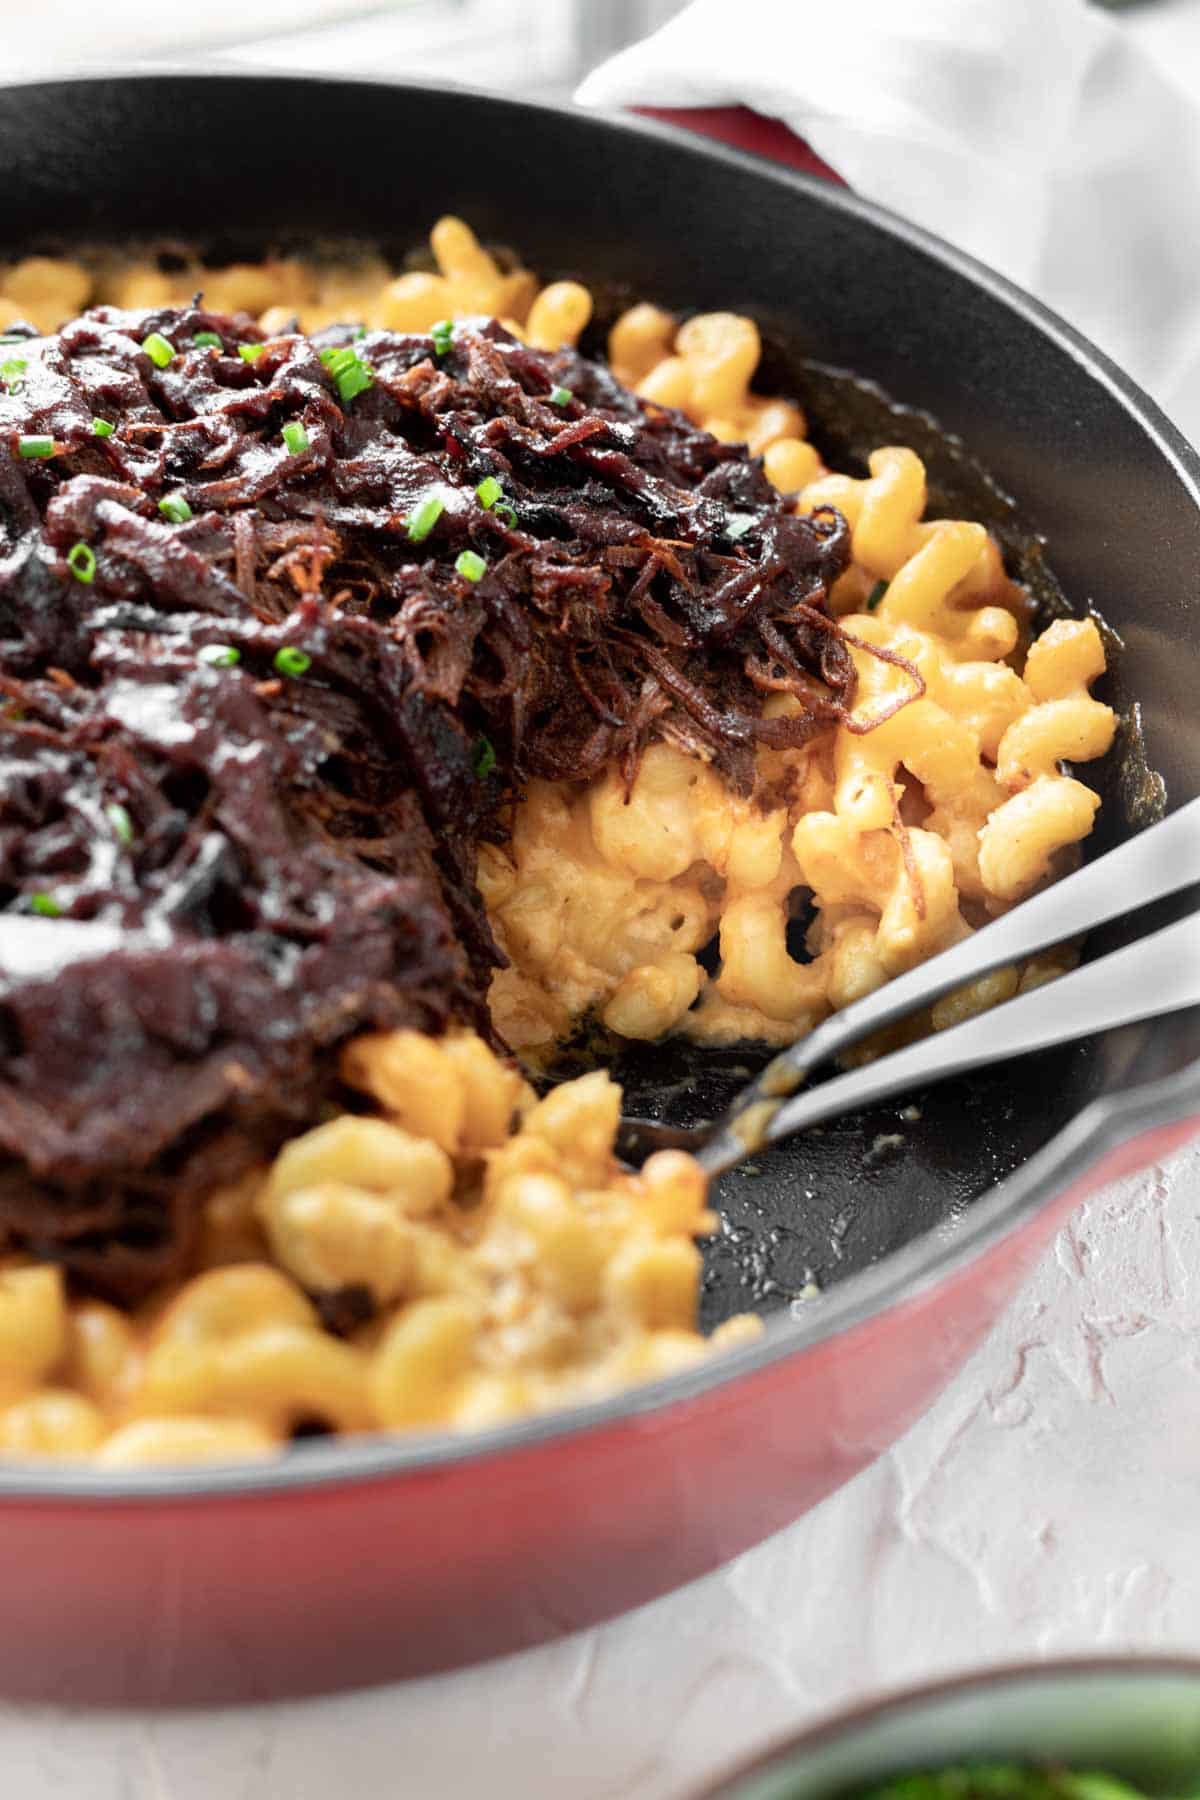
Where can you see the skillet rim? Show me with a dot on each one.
(903, 1276)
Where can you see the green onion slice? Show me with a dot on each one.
(505, 513)
(208, 340)
(81, 560)
(354, 381)
(101, 428)
(488, 492)
(291, 661)
(36, 446)
(559, 396)
(443, 336)
(483, 757)
(250, 352)
(175, 508)
(876, 595)
(13, 369)
(219, 656)
(295, 437)
(351, 375)
(118, 817)
(737, 525)
(470, 566)
(158, 349)
(423, 517)
(45, 905)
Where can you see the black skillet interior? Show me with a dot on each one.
(240, 165)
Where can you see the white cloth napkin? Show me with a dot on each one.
(1035, 134)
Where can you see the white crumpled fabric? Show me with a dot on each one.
(1036, 134)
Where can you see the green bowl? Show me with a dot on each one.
(1135, 1718)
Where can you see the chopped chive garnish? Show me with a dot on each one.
(35, 446)
(118, 817)
(45, 905)
(250, 352)
(559, 396)
(876, 595)
(737, 525)
(483, 757)
(338, 357)
(488, 492)
(443, 336)
(102, 428)
(360, 331)
(354, 381)
(470, 566)
(505, 513)
(208, 340)
(81, 560)
(295, 437)
(158, 349)
(219, 656)
(423, 517)
(175, 508)
(12, 370)
(349, 372)
(290, 661)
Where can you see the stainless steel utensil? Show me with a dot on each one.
(1156, 974)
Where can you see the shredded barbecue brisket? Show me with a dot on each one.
(214, 868)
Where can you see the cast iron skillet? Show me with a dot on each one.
(351, 1561)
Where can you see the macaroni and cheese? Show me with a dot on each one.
(498, 1261)
(464, 1253)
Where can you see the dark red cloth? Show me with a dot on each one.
(746, 130)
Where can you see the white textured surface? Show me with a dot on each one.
(1047, 1504)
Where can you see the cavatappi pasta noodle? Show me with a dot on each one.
(503, 1263)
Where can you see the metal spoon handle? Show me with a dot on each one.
(1157, 974)
(1159, 861)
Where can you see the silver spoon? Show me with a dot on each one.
(1156, 974)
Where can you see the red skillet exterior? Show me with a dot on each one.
(746, 130)
(217, 1598)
